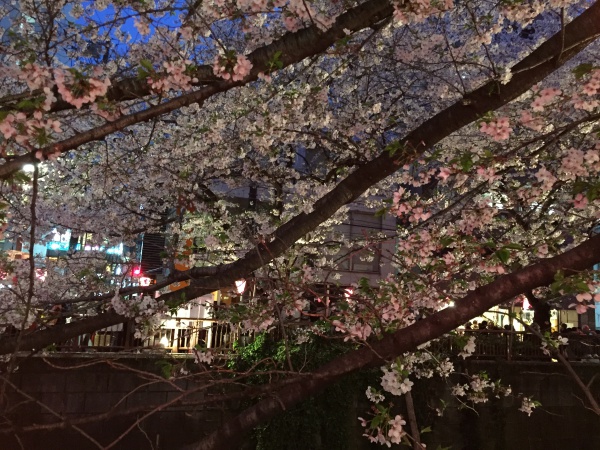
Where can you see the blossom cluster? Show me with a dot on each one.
(415, 11)
(528, 405)
(550, 345)
(176, 77)
(231, 67)
(374, 395)
(203, 356)
(78, 89)
(586, 300)
(147, 312)
(25, 130)
(357, 330)
(480, 388)
(544, 98)
(261, 323)
(393, 380)
(498, 129)
(384, 429)
(587, 101)
(469, 348)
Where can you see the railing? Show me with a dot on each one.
(515, 345)
(182, 338)
(206, 333)
(188, 334)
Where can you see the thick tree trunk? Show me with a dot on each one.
(407, 339)
(544, 60)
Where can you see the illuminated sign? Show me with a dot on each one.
(60, 241)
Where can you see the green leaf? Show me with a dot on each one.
(559, 275)
(146, 64)
(446, 241)
(20, 177)
(392, 148)
(375, 422)
(166, 368)
(466, 162)
(582, 69)
(276, 60)
(503, 255)
(142, 74)
(592, 193)
(25, 105)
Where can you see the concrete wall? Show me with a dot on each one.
(80, 386)
(560, 423)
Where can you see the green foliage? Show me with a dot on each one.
(582, 70)
(381, 212)
(327, 421)
(590, 189)
(275, 62)
(503, 255)
(166, 368)
(145, 70)
(343, 42)
(569, 285)
(30, 104)
(393, 147)
(466, 162)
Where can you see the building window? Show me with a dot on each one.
(361, 230)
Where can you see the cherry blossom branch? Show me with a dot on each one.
(32, 277)
(474, 105)
(247, 393)
(489, 97)
(407, 339)
(38, 339)
(294, 47)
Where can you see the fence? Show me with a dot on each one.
(518, 345)
(184, 335)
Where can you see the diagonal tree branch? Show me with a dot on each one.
(474, 304)
(35, 340)
(539, 64)
(294, 47)
(489, 97)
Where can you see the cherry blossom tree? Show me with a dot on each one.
(475, 124)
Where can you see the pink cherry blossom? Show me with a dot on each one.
(580, 201)
(225, 68)
(445, 172)
(544, 98)
(498, 129)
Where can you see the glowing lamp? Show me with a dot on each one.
(240, 286)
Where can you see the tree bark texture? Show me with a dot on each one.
(406, 339)
(540, 63)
